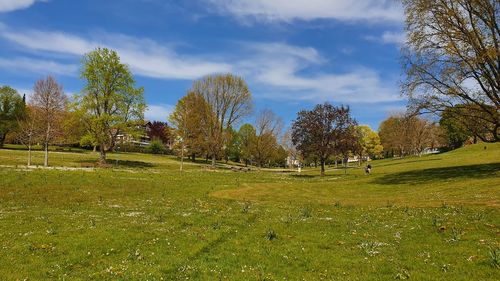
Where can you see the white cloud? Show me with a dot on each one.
(285, 71)
(389, 37)
(44, 67)
(144, 56)
(289, 10)
(12, 5)
(158, 112)
(280, 70)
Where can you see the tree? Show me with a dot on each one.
(158, 130)
(12, 109)
(246, 138)
(50, 101)
(407, 134)
(453, 57)
(110, 102)
(28, 132)
(323, 131)
(268, 127)
(370, 142)
(190, 121)
(456, 132)
(229, 100)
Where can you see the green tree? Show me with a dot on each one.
(247, 136)
(111, 104)
(189, 119)
(12, 109)
(370, 142)
(456, 132)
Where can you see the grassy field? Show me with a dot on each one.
(431, 218)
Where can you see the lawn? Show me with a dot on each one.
(431, 218)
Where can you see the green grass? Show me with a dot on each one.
(431, 218)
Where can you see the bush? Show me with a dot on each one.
(156, 147)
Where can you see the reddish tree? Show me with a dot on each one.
(323, 131)
(158, 130)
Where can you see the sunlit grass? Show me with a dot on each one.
(430, 218)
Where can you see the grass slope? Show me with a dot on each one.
(430, 218)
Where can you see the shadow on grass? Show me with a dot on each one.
(120, 163)
(439, 174)
(398, 161)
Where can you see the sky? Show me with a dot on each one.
(292, 53)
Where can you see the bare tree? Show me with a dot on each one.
(28, 130)
(50, 102)
(453, 58)
(229, 100)
(268, 127)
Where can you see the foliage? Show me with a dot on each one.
(265, 145)
(12, 109)
(324, 131)
(452, 57)
(370, 142)
(455, 132)
(404, 135)
(110, 103)
(156, 147)
(246, 138)
(229, 100)
(158, 130)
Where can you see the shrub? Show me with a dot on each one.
(156, 147)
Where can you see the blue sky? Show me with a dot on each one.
(292, 53)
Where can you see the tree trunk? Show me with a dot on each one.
(29, 155)
(182, 157)
(102, 154)
(213, 161)
(322, 168)
(95, 148)
(46, 159)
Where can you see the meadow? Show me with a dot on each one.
(435, 217)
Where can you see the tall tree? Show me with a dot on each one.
(453, 57)
(268, 127)
(12, 109)
(50, 101)
(229, 100)
(246, 139)
(190, 118)
(110, 102)
(323, 131)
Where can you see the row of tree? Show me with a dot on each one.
(108, 106)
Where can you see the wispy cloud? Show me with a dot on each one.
(285, 73)
(388, 37)
(158, 112)
(290, 10)
(144, 56)
(12, 5)
(37, 66)
(278, 70)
